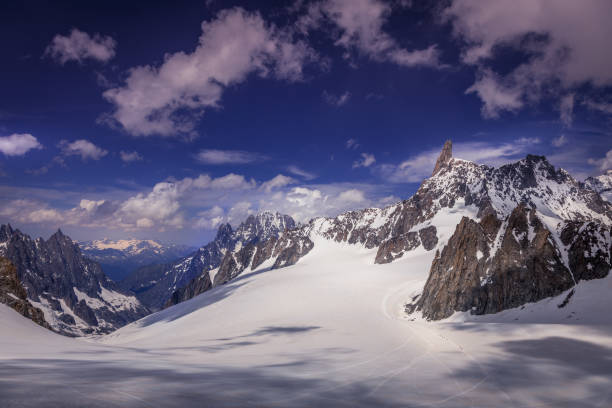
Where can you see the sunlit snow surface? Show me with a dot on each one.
(328, 331)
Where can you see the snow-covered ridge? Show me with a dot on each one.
(132, 246)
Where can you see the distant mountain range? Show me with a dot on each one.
(155, 285)
(74, 295)
(121, 257)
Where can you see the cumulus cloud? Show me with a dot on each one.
(366, 161)
(565, 44)
(336, 100)
(212, 156)
(360, 29)
(129, 157)
(420, 166)
(18, 144)
(167, 100)
(78, 46)
(295, 170)
(83, 148)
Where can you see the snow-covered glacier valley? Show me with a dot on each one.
(328, 331)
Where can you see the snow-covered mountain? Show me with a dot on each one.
(74, 294)
(156, 284)
(527, 231)
(119, 258)
(602, 184)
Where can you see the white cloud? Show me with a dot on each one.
(301, 173)
(212, 156)
(352, 196)
(129, 157)
(79, 46)
(496, 96)
(603, 164)
(559, 141)
(168, 99)
(277, 182)
(18, 144)
(420, 166)
(360, 24)
(366, 160)
(336, 100)
(566, 43)
(83, 148)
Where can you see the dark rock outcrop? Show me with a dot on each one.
(14, 295)
(482, 271)
(444, 158)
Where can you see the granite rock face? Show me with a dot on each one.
(73, 292)
(14, 295)
(490, 266)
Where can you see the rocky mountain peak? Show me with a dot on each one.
(445, 156)
(224, 233)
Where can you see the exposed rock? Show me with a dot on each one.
(445, 156)
(61, 282)
(396, 247)
(589, 250)
(485, 272)
(428, 236)
(231, 252)
(14, 295)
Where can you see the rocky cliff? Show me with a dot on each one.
(14, 295)
(74, 294)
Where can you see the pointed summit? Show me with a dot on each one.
(445, 156)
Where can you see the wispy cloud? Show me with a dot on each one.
(366, 160)
(214, 157)
(129, 157)
(358, 28)
(306, 175)
(352, 144)
(83, 148)
(79, 46)
(336, 100)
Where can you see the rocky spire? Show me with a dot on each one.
(445, 156)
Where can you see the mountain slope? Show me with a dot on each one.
(119, 258)
(602, 184)
(156, 285)
(71, 290)
(520, 222)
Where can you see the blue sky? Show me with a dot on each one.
(161, 121)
